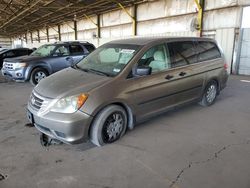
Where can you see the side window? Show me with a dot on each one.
(157, 58)
(23, 52)
(61, 51)
(89, 47)
(9, 54)
(182, 53)
(76, 50)
(20, 52)
(207, 51)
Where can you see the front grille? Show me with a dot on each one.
(9, 66)
(38, 102)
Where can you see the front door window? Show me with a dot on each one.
(157, 58)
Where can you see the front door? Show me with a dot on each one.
(170, 83)
(60, 58)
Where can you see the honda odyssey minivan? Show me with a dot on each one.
(124, 82)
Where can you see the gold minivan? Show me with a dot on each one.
(124, 82)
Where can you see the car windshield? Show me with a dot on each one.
(109, 59)
(44, 51)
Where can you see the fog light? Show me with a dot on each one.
(19, 74)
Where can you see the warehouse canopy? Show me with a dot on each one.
(20, 16)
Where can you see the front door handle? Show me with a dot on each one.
(182, 74)
(69, 58)
(168, 77)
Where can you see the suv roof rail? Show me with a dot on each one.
(67, 42)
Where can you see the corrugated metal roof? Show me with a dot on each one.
(20, 16)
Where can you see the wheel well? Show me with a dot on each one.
(126, 108)
(129, 113)
(41, 67)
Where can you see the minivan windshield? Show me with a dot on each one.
(108, 60)
(44, 50)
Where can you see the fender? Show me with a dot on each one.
(32, 66)
(122, 103)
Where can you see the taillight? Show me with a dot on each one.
(225, 66)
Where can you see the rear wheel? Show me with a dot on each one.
(209, 94)
(109, 125)
(37, 75)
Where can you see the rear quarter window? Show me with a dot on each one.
(76, 50)
(207, 51)
(89, 47)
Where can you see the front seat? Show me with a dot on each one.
(159, 62)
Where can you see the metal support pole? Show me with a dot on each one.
(98, 27)
(59, 33)
(135, 20)
(26, 38)
(47, 33)
(75, 29)
(38, 36)
(31, 37)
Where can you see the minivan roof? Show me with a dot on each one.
(147, 40)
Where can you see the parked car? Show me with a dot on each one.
(124, 82)
(9, 53)
(45, 61)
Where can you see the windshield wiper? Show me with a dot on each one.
(99, 72)
(92, 71)
(75, 66)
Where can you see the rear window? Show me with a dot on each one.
(207, 51)
(89, 47)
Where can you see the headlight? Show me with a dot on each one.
(69, 104)
(19, 65)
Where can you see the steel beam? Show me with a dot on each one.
(20, 13)
(133, 17)
(96, 24)
(200, 6)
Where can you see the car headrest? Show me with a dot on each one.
(159, 56)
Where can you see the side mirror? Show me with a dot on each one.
(142, 71)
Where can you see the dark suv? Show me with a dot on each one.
(46, 60)
(9, 53)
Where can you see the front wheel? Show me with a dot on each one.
(109, 125)
(209, 94)
(37, 75)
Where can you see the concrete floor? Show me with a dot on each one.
(190, 147)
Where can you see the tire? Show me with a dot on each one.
(37, 74)
(210, 94)
(103, 130)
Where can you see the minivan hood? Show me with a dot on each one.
(69, 82)
(26, 58)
